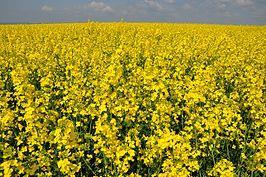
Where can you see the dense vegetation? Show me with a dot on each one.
(125, 99)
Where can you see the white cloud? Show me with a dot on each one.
(153, 4)
(100, 6)
(170, 1)
(244, 2)
(238, 2)
(227, 14)
(187, 7)
(222, 6)
(47, 8)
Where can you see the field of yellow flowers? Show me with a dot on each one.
(132, 99)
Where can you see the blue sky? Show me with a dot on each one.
(196, 11)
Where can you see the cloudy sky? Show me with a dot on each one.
(196, 11)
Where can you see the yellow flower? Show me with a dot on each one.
(223, 168)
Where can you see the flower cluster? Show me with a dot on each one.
(132, 99)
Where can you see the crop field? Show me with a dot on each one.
(132, 99)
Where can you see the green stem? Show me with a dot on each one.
(86, 163)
